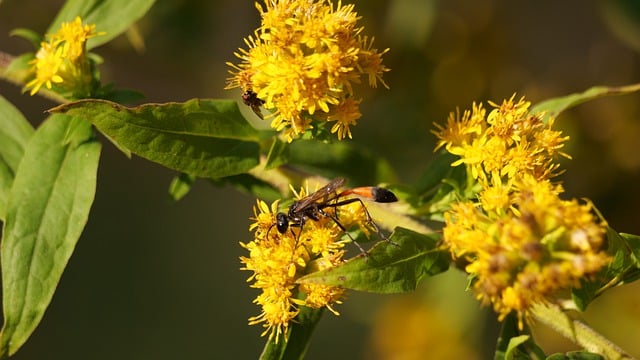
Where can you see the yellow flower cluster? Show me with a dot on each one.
(278, 260)
(522, 243)
(302, 63)
(62, 60)
(506, 143)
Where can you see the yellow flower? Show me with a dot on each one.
(460, 131)
(47, 64)
(73, 36)
(302, 63)
(528, 250)
(62, 61)
(345, 115)
(496, 198)
(271, 260)
(277, 260)
(522, 244)
(509, 143)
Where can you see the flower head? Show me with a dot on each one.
(527, 254)
(277, 260)
(62, 62)
(302, 63)
(508, 143)
(522, 243)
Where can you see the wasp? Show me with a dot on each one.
(314, 206)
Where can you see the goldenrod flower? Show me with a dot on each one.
(46, 65)
(302, 63)
(62, 60)
(459, 130)
(277, 260)
(508, 144)
(522, 242)
(526, 253)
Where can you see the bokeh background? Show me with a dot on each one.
(154, 279)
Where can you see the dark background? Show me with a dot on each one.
(153, 279)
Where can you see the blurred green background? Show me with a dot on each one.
(153, 279)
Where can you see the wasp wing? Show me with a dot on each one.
(325, 193)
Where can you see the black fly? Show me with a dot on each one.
(251, 99)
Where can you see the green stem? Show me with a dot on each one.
(5, 61)
(578, 332)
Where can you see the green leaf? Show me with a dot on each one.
(19, 69)
(278, 154)
(47, 209)
(388, 268)
(112, 17)
(340, 159)
(6, 179)
(203, 138)
(553, 107)
(120, 96)
(439, 186)
(576, 355)
(31, 36)
(585, 294)
(633, 243)
(250, 184)
(439, 169)
(624, 250)
(180, 186)
(298, 337)
(512, 348)
(620, 251)
(15, 132)
(512, 344)
(509, 330)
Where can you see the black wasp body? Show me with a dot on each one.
(313, 206)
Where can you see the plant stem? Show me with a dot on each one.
(5, 61)
(578, 332)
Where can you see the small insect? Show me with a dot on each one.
(312, 207)
(251, 99)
